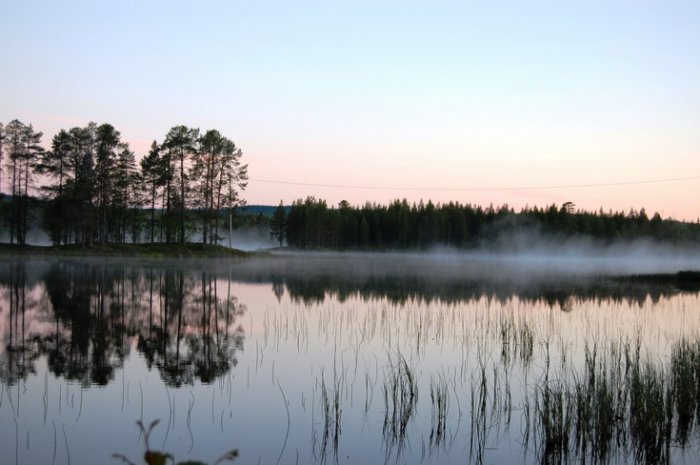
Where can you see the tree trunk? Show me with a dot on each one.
(153, 209)
(218, 201)
(25, 201)
(182, 197)
(13, 208)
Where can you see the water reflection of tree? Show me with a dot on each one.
(191, 337)
(88, 343)
(556, 294)
(21, 351)
(90, 313)
(278, 289)
(214, 352)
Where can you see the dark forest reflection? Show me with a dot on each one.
(558, 294)
(83, 317)
(400, 279)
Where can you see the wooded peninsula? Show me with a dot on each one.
(88, 189)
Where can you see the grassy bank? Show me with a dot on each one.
(152, 250)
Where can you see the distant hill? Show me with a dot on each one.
(265, 210)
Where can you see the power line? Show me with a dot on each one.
(483, 188)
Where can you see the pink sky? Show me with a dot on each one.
(407, 95)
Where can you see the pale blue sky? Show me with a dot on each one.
(384, 94)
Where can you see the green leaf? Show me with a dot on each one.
(156, 458)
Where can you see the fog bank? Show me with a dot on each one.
(521, 257)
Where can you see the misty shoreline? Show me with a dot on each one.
(153, 250)
(400, 278)
(564, 261)
(577, 256)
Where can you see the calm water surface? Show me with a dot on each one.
(322, 359)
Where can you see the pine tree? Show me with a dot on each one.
(181, 143)
(154, 177)
(107, 142)
(206, 170)
(278, 225)
(80, 187)
(15, 148)
(233, 178)
(2, 152)
(218, 176)
(55, 163)
(126, 198)
(23, 149)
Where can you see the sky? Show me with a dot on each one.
(524, 102)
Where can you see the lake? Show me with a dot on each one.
(351, 358)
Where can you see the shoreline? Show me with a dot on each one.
(146, 250)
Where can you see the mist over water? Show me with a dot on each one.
(585, 256)
(248, 238)
(35, 236)
(520, 259)
(518, 256)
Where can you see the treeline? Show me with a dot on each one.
(97, 192)
(311, 223)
